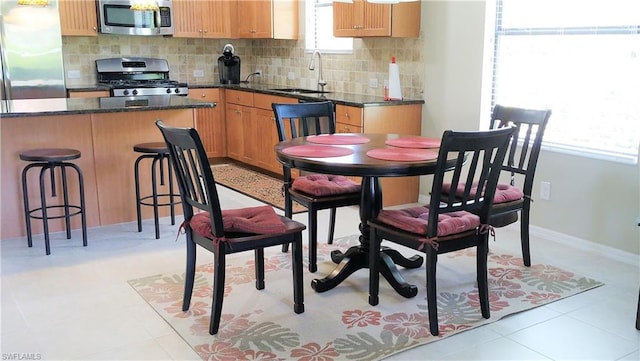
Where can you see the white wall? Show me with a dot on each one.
(593, 200)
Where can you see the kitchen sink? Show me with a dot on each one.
(300, 91)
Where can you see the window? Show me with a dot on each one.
(579, 58)
(319, 29)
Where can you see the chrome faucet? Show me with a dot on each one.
(312, 65)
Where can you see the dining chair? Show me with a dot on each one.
(227, 231)
(449, 223)
(520, 164)
(314, 191)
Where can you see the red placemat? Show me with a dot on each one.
(317, 151)
(344, 139)
(402, 154)
(414, 142)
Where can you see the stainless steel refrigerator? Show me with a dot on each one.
(31, 51)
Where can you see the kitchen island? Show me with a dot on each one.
(104, 130)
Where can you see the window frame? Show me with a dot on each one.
(590, 150)
(310, 6)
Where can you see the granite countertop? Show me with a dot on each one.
(66, 106)
(356, 100)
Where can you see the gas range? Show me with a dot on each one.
(136, 76)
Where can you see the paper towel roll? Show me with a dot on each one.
(395, 93)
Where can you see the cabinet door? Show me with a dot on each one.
(187, 19)
(255, 19)
(209, 122)
(216, 18)
(78, 18)
(235, 130)
(376, 20)
(344, 19)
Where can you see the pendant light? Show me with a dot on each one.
(144, 5)
(33, 2)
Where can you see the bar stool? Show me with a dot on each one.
(50, 159)
(158, 153)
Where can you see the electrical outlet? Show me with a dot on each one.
(198, 73)
(258, 72)
(373, 83)
(73, 74)
(545, 190)
(291, 76)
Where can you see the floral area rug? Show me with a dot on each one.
(340, 324)
(253, 184)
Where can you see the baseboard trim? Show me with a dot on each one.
(583, 244)
(568, 240)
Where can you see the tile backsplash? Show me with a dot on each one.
(278, 59)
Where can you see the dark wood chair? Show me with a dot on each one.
(452, 223)
(520, 164)
(299, 120)
(224, 232)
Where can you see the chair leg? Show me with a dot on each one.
(431, 260)
(190, 274)
(332, 225)
(638, 313)
(374, 273)
(481, 269)
(288, 212)
(258, 255)
(313, 239)
(218, 291)
(524, 235)
(298, 271)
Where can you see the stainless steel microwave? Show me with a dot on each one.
(118, 17)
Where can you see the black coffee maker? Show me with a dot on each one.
(229, 66)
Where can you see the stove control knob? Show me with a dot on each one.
(125, 92)
(177, 91)
(168, 91)
(135, 92)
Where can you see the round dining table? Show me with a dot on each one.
(368, 156)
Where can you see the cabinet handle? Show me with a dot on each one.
(347, 115)
(203, 95)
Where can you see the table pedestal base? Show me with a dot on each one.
(357, 257)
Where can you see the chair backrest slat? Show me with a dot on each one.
(526, 144)
(194, 174)
(484, 152)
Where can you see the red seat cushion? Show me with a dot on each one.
(259, 220)
(325, 185)
(414, 220)
(504, 192)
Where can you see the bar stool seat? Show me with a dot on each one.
(158, 153)
(50, 159)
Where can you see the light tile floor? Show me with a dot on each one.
(76, 305)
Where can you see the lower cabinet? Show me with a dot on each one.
(210, 122)
(400, 119)
(251, 129)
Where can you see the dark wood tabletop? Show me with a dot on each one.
(370, 169)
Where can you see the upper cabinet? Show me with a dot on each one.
(364, 19)
(204, 19)
(78, 18)
(267, 19)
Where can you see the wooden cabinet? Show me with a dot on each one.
(267, 134)
(88, 94)
(251, 128)
(204, 19)
(210, 122)
(399, 119)
(78, 18)
(267, 19)
(239, 105)
(362, 19)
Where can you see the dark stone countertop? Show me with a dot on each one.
(66, 106)
(356, 100)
